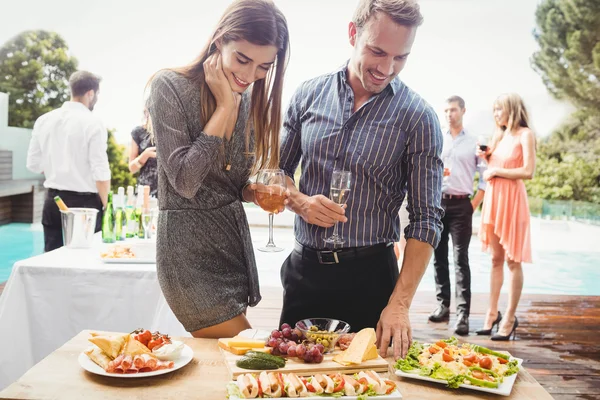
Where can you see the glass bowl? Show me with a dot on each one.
(325, 331)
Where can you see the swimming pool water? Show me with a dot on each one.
(18, 241)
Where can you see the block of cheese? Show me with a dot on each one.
(239, 341)
(226, 344)
(361, 346)
(370, 355)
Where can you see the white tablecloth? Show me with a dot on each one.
(52, 297)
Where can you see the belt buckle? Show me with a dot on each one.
(327, 252)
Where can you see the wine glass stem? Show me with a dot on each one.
(335, 229)
(271, 216)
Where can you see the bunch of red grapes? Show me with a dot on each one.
(289, 342)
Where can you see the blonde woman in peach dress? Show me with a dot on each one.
(505, 214)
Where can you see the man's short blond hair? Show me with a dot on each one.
(402, 12)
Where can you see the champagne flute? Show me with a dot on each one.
(338, 193)
(483, 143)
(147, 223)
(270, 195)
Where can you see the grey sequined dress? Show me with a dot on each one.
(205, 259)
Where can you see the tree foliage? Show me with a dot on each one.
(119, 166)
(34, 70)
(568, 162)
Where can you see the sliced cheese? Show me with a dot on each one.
(225, 344)
(360, 346)
(339, 358)
(239, 341)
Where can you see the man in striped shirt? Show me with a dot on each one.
(361, 118)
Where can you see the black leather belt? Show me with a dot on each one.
(454, 196)
(58, 191)
(339, 255)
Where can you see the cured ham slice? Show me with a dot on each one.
(125, 364)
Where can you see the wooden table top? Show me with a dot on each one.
(59, 376)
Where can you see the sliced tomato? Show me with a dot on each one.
(433, 350)
(441, 344)
(310, 387)
(478, 374)
(338, 382)
(447, 357)
(470, 357)
(280, 380)
(391, 386)
(260, 391)
(340, 386)
(502, 360)
(467, 363)
(363, 381)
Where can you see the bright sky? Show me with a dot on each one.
(477, 49)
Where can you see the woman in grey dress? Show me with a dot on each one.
(211, 135)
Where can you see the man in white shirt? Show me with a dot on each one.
(68, 145)
(459, 203)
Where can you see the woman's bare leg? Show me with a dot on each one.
(496, 279)
(514, 295)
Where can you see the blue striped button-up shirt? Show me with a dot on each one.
(392, 147)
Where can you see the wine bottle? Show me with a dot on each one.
(120, 219)
(130, 213)
(108, 221)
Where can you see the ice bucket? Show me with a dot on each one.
(78, 225)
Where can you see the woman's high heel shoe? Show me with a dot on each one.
(512, 333)
(489, 331)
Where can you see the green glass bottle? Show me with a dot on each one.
(130, 214)
(139, 227)
(120, 219)
(108, 221)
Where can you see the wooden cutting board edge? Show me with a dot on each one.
(328, 366)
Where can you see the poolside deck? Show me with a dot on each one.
(557, 336)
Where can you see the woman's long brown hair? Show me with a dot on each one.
(261, 23)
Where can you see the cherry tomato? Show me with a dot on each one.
(470, 357)
(485, 363)
(441, 344)
(447, 357)
(153, 343)
(433, 350)
(502, 360)
(467, 363)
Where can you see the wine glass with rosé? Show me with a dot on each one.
(270, 195)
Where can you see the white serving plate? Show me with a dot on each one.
(186, 356)
(503, 389)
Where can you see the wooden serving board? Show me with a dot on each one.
(301, 368)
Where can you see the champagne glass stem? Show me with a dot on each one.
(335, 229)
(271, 230)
